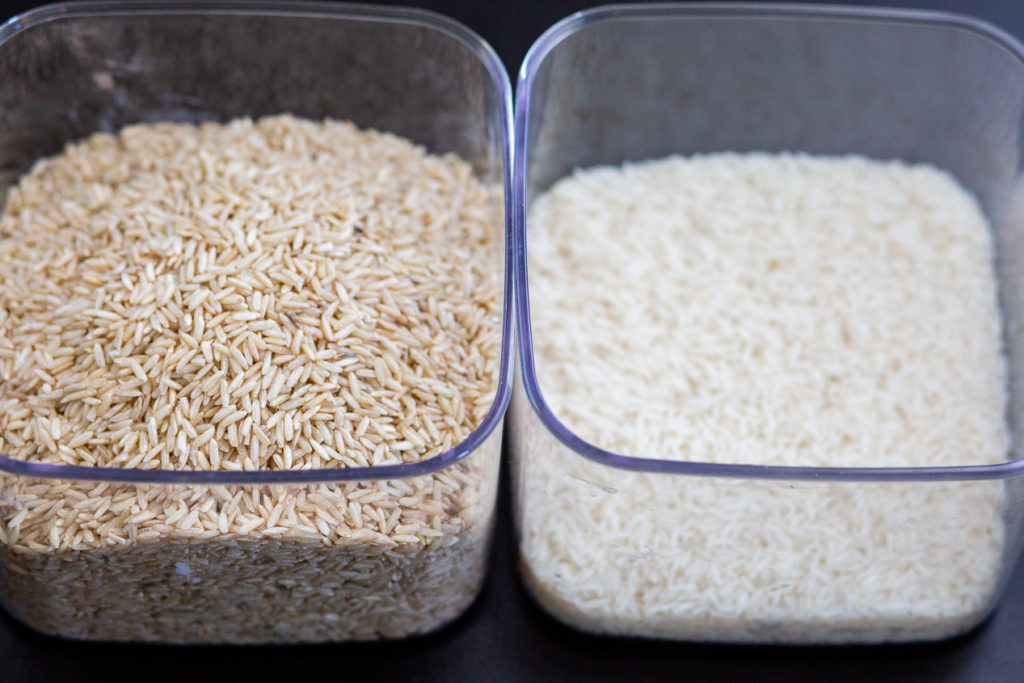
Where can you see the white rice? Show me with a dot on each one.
(771, 310)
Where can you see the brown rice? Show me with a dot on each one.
(270, 295)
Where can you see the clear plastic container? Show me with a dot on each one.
(829, 554)
(260, 556)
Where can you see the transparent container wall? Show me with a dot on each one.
(679, 556)
(239, 563)
(637, 87)
(69, 77)
(756, 561)
(247, 564)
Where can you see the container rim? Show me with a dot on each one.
(498, 79)
(317, 9)
(535, 57)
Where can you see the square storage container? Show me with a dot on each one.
(300, 555)
(659, 544)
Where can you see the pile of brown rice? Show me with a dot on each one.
(270, 295)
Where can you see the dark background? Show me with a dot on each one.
(504, 636)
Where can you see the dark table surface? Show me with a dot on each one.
(504, 636)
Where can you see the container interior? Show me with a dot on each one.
(68, 71)
(614, 86)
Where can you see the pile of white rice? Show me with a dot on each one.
(774, 310)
